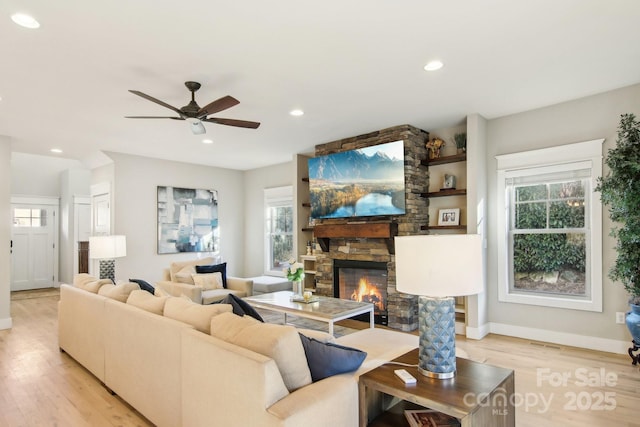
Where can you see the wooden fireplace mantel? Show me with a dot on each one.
(366, 230)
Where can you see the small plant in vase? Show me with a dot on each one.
(295, 274)
(461, 142)
(620, 191)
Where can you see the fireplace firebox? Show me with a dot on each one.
(363, 281)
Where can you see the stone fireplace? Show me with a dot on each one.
(371, 239)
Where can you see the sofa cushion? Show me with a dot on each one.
(119, 292)
(177, 266)
(199, 316)
(208, 280)
(144, 285)
(279, 342)
(148, 302)
(214, 268)
(90, 283)
(327, 359)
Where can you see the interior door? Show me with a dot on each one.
(33, 246)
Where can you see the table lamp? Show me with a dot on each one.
(106, 249)
(438, 268)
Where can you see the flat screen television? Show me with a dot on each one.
(358, 183)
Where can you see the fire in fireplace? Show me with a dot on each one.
(362, 281)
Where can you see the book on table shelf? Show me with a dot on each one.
(429, 418)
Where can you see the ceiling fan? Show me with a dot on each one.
(195, 115)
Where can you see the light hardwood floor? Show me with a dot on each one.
(40, 386)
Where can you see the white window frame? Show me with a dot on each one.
(581, 155)
(274, 197)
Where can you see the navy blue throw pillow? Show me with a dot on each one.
(144, 285)
(327, 359)
(241, 307)
(215, 268)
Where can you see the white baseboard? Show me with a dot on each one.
(478, 333)
(562, 338)
(6, 323)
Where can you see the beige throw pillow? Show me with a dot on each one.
(279, 342)
(185, 274)
(177, 266)
(208, 281)
(90, 283)
(119, 292)
(148, 302)
(199, 316)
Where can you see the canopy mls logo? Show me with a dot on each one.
(587, 400)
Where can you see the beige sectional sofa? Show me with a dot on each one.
(177, 280)
(177, 375)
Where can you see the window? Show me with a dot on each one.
(278, 228)
(550, 227)
(29, 217)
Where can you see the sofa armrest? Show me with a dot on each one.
(330, 402)
(177, 289)
(238, 284)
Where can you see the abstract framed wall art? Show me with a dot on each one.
(187, 220)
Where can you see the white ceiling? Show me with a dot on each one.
(353, 66)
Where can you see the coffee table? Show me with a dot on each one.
(325, 309)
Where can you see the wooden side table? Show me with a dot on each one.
(479, 394)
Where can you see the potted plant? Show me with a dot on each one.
(620, 191)
(461, 142)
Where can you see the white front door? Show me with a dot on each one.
(33, 248)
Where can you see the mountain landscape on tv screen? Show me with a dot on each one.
(354, 184)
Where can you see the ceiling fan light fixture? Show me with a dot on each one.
(24, 20)
(433, 65)
(197, 127)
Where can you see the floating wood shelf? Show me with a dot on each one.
(368, 230)
(443, 227)
(445, 193)
(443, 160)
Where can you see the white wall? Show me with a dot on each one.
(580, 120)
(256, 181)
(36, 175)
(135, 181)
(5, 231)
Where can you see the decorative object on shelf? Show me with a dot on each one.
(461, 142)
(437, 268)
(449, 216)
(434, 147)
(620, 191)
(106, 249)
(449, 182)
(309, 249)
(295, 273)
(187, 220)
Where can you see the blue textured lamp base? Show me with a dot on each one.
(437, 324)
(108, 269)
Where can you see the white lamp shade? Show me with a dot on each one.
(107, 247)
(439, 265)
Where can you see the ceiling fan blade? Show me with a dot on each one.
(232, 122)
(152, 117)
(157, 101)
(217, 105)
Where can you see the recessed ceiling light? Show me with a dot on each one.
(296, 112)
(56, 150)
(433, 65)
(25, 20)
(207, 141)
